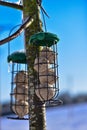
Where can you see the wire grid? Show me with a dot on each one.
(47, 79)
(19, 91)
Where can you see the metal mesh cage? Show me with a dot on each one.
(45, 65)
(19, 85)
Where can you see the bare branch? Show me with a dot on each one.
(26, 24)
(12, 5)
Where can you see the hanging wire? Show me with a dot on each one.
(39, 2)
(44, 12)
(9, 44)
(9, 36)
(44, 20)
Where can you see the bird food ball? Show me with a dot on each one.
(48, 53)
(41, 64)
(48, 76)
(21, 78)
(45, 92)
(21, 93)
(21, 108)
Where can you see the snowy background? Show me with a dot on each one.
(70, 117)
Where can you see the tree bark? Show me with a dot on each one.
(37, 120)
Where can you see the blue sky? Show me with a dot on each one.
(68, 19)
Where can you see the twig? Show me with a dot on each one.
(26, 24)
(12, 5)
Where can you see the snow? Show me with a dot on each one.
(71, 117)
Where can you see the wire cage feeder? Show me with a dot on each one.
(19, 84)
(43, 66)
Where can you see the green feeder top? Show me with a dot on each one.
(44, 39)
(17, 57)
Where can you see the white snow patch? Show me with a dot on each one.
(72, 117)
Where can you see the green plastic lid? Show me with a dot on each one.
(17, 57)
(44, 39)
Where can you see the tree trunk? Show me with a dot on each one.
(37, 113)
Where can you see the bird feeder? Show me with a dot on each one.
(19, 84)
(45, 64)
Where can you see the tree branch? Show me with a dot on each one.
(26, 23)
(12, 5)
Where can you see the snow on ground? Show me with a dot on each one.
(71, 117)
